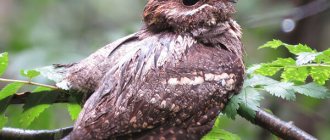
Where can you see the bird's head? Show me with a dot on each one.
(186, 15)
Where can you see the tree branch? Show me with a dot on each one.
(20, 98)
(19, 134)
(280, 128)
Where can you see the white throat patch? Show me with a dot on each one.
(192, 12)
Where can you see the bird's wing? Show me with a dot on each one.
(85, 75)
(161, 76)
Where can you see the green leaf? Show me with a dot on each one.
(323, 57)
(3, 121)
(6, 95)
(4, 104)
(232, 107)
(272, 44)
(267, 70)
(258, 80)
(3, 62)
(282, 62)
(250, 100)
(252, 69)
(31, 114)
(30, 73)
(283, 90)
(220, 134)
(298, 74)
(320, 74)
(305, 58)
(297, 49)
(270, 69)
(247, 113)
(313, 90)
(10, 90)
(41, 89)
(35, 105)
(74, 108)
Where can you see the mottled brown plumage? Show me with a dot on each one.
(169, 80)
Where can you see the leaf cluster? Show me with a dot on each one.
(308, 62)
(35, 103)
(293, 80)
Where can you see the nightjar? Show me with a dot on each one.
(169, 80)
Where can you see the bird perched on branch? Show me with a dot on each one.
(169, 80)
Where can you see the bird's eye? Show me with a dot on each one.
(189, 2)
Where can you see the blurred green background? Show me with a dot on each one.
(42, 32)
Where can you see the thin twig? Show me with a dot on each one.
(28, 82)
(19, 134)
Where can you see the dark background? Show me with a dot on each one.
(42, 32)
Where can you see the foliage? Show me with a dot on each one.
(294, 73)
(3, 121)
(35, 103)
(30, 73)
(308, 63)
(3, 62)
(219, 134)
(73, 107)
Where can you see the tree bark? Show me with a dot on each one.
(278, 127)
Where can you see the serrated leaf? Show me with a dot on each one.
(247, 113)
(297, 49)
(6, 93)
(323, 57)
(74, 108)
(40, 89)
(267, 70)
(10, 90)
(219, 134)
(320, 74)
(252, 69)
(305, 58)
(272, 44)
(270, 69)
(283, 90)
(31, 114)
(4, 104)
(298, 74)
(283, 62)
(3, 121)
(30, 73)
(313, 90)
(232, 107)
(3, 62)
(35, 105)
(250, 98)
(258, 80)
